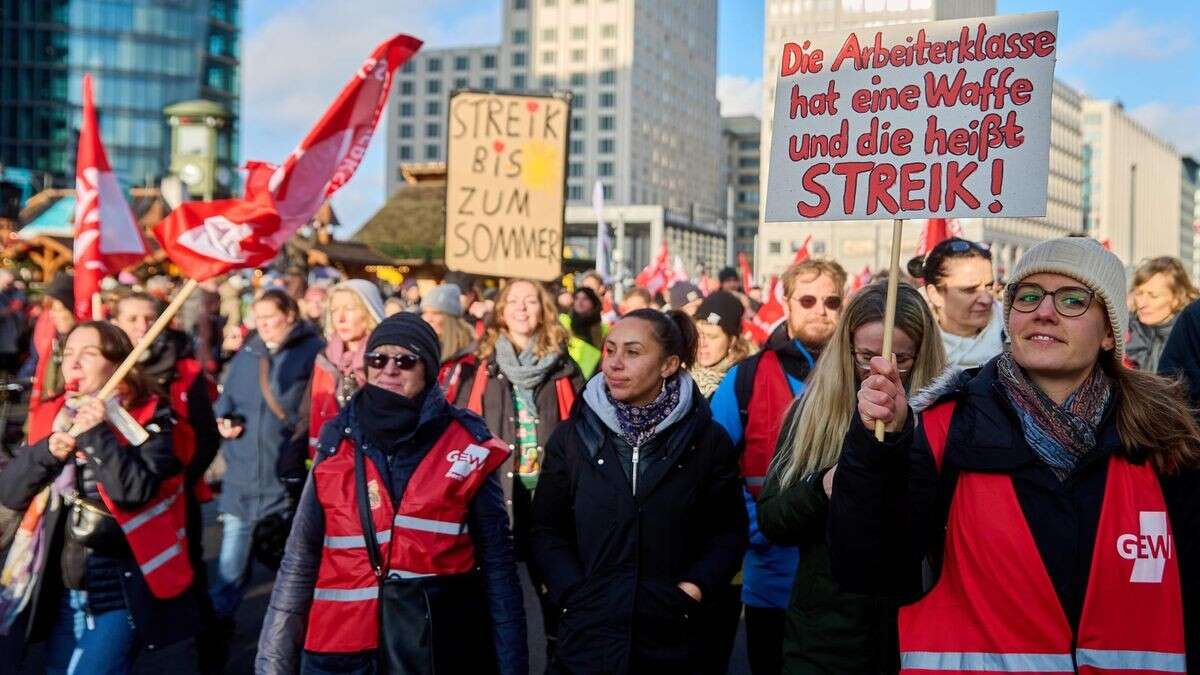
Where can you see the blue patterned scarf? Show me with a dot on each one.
(639, 422)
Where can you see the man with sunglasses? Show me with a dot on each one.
(400, 557)
(750, 404)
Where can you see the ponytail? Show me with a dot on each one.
(675, 331)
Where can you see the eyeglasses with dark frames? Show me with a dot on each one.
(862, 360)
(1069, 301)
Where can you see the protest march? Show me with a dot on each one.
(578, 431)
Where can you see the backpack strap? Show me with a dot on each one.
(743, 388)
(936, 420)
(566, 397)
(478, 385)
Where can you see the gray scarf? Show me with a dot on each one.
(525, 371)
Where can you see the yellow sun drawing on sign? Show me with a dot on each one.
(542, 165)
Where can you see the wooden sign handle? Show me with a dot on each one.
(889, 312)
(147, 339)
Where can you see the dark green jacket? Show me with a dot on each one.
(826, 631)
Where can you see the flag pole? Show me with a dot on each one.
(148, 339)
(889, 312)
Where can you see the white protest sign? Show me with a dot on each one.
(934, 120)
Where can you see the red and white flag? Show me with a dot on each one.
(656, 276)
(768, 317)
(935, 232)
(747, 275)
(107, 236)
(206, 239)
(861, 279)
(802, 252)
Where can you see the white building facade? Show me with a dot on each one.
(1135, 185)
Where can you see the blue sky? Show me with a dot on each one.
(297, 54)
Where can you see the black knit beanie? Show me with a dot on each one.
(722, 308)
(410, 331)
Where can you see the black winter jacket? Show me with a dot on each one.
(131, 477)
(890, 503)
(613, 559)
(826, 629)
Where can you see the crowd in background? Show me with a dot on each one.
(653, 469)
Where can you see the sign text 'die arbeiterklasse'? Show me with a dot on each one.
(944, 119)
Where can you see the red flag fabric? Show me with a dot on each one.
(747, 275)
(936, 231)
(107, 236)
(861, 279)
(802, 252)
(657, 275)
(204, 240)
(768, 317)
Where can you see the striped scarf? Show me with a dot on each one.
(1060, 435)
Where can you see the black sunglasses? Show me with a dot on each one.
(402, 361)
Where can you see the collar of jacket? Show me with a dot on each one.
(985, 434)
(594, 426)
(796, 359)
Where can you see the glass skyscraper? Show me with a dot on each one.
(143, 55)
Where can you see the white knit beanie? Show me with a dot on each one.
(1086, 261)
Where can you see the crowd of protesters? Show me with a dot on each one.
(411, 462)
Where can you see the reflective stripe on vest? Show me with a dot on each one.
(1132, 618)
(153, 512)
(424, 537)
(987, 662)
(772, 394)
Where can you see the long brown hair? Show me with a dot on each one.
(550, 336)
(135, 387)
(1152, 419)
(816, 424)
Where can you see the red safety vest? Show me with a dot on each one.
(994, 608)
(450, 375)
(426, 537)
(764, 418)
(184, 435)
(324, 400)
(155, 530)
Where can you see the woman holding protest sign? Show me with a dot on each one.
(101, 558)
(639, 520)
(1053, 494)
(828, 630)
(524, 387)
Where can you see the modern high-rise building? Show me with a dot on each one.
(1135, 184)
(143, 55)
(739, 176)
(645, 121)
(1189, 216)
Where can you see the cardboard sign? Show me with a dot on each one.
(934, 120)
(506, 160)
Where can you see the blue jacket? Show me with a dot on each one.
(286, 622)
(251, 488)
(768, 570)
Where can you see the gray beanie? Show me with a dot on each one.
(367, 292)
(1085, 260)
(445, 299)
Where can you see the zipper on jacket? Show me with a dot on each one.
(634, 470)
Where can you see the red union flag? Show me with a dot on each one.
(768, 317)
(107, 237)
(205, 240)
(657, 275)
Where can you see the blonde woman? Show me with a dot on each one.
(524, 386)
(355, 308)
(1159, 292)
(827, 630)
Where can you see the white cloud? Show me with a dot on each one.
(296, 61)
(740, 95)
(1175, 123)
(1127, 37)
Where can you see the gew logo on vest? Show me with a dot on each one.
(463, 462)
(1148, 550)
